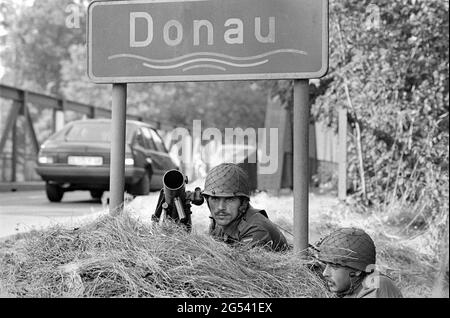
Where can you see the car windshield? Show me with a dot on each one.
(94, 132)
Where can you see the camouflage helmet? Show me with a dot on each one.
(227, 180)
(350, 247)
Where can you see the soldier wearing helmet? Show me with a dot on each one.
(349, 257)
(233, 219)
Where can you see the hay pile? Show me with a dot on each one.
(124, 257)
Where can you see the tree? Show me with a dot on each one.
(392, 77)
(41, 35)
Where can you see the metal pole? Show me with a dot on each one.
(117, 167)
(300, 165)
(14, 152)
(58, 115)
(342, 135)
(58, 120)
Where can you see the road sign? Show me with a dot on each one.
(205, 40)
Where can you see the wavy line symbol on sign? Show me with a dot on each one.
(199, 59)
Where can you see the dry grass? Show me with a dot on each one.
(124, 257)
(128, 257)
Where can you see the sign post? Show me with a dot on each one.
(342, 133)
(118, 129)
(301, 164)
(210, 40)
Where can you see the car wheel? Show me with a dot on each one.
(96, 194)
(54, 192)
(143, 186)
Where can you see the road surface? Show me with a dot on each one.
(23, 211)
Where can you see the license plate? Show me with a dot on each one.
(84, 161)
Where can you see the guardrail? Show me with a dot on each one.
(20, 107)
(18, 166)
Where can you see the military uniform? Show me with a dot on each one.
(384, 288)
(252, 228)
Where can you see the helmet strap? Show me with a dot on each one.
(207, 202)
(244, 205)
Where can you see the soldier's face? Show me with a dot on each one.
(337, 277)
(224, 209)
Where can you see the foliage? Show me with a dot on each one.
(392, 78)
(39, 36)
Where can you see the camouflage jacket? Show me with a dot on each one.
(376, 285)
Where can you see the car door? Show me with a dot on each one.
(140, 149)
(155, 158)
(162, 151)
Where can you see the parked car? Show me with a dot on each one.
(78, 158)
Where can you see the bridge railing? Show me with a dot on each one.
(22, 128)
(24, 124)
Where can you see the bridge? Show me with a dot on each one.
(20, 139)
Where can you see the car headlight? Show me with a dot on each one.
(129, 161)
(45, 159)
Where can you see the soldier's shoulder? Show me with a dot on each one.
(388, 283)
(257, 214)
(256, 217)
(380, 286)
